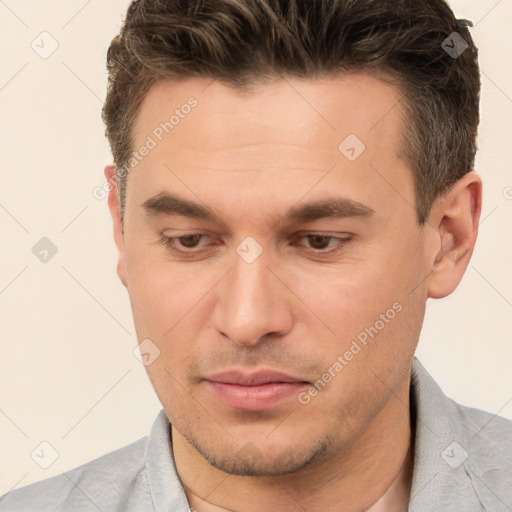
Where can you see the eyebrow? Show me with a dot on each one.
(330, 207)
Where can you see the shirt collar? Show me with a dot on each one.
(164, 483)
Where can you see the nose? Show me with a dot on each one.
(252, 303)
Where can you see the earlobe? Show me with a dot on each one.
(455, 218)
(115, 212)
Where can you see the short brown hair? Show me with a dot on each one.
(240, 42)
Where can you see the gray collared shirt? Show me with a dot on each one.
(462, 463)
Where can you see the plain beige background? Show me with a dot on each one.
(68, 375)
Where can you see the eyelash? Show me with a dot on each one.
(168, 242)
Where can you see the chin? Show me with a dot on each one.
(249, 460)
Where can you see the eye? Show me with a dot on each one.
(188, 241)
(319, 242)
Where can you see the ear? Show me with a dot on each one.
(115, 212)
(455, 217)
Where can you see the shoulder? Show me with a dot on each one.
(488, 438)
(108, 479)
(484, 426)
(461, 452)
(486, 441)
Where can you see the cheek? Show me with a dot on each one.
(377, 298)
(162, 306)
(348, 298)
(165, 310)
(160, 293)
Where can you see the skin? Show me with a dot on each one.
(251, 157)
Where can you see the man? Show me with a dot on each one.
(292, 181)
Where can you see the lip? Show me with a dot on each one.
(255, 391)
(256, 378)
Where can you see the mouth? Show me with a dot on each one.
(256, 391)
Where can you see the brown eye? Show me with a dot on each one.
(319, 241)
(180, 244)
(189, 241)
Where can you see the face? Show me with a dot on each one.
(287, 300)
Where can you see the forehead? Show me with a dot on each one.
(335, 105)
(277, 133)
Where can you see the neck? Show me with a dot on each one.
(373, 474)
